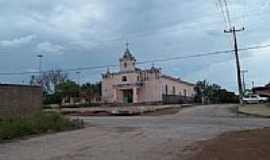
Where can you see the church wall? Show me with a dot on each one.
(151, 91)
(108, 89)
(131, 78)
(127, 65)
(180, 88)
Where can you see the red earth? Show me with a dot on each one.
(243, 145)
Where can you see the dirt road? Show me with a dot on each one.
(166, 137)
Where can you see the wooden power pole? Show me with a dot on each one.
(240, 86)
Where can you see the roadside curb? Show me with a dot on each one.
(186, 105)
(119, 111)
(252, 114)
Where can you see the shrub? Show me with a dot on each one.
(14, 128)
(39, 123)
(52, 99)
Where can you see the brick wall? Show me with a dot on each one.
(19, 100)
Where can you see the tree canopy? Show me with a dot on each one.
(90, 91)
(68, 88)
(49, 80)
(213, 93)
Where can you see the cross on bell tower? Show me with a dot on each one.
(127, 62)
(127, 44)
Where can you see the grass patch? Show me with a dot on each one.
(39, 123)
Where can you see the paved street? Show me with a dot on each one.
(165, 137)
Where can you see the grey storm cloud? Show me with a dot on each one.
(17, 41)
(77, 33)
(47, 47)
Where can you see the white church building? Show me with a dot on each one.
(134, 85)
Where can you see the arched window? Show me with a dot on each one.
(125, 64)
(173, 90)
(124, 78)
(185, 92)
(166, 89)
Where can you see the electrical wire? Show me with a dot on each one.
(143, 62)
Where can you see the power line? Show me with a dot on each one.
(254, 47)
(245, 13)
(66, 70)
(143, 62)
(226, 16)
(232, 30)
(222, 12)
(186, 57)
(227, 13)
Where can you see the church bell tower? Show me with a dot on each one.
(128, 61)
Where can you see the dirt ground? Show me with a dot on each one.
(242, 145)
(163, 137)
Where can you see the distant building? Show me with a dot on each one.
(263, 91)
(134, 85)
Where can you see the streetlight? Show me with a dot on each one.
(40, 56)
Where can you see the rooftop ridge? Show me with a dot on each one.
(177, 79)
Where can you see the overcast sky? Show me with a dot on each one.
(82, 33)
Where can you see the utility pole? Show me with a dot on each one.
(240, 88)
(244, 83)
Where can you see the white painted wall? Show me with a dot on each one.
(179, 87)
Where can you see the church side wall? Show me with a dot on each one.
(151, 91)
(180, 88)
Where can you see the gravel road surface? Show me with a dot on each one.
(167, 137)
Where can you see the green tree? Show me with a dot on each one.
(67, 89)
(213, 93)
(201, 90)
(90, 91)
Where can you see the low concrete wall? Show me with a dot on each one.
(19, 100)
(176, 99)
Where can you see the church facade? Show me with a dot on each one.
(134, 85)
